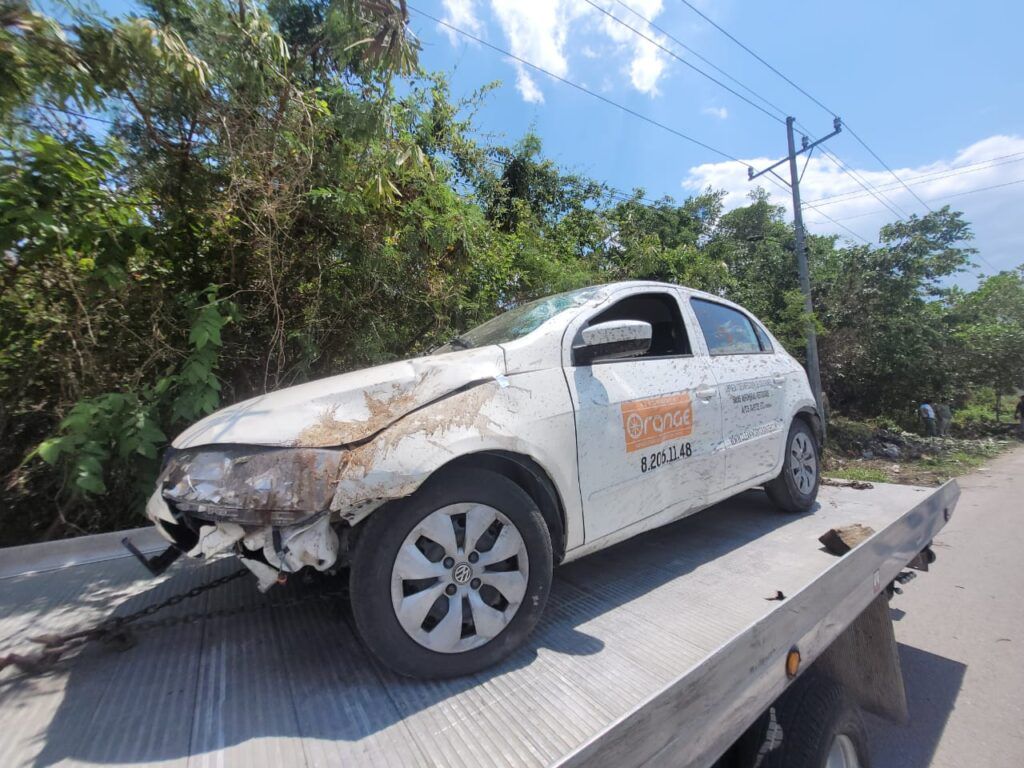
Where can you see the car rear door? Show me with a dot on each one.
(648, 428)
(752, 380)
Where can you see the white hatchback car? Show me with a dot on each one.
(449, 485)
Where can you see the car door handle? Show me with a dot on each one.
(778, 381)
(705, 393)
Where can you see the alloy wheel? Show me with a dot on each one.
(459, 577)
(803, 463)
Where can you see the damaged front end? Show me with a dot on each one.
(269, 505)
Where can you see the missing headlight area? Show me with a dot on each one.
(269, 505)
(252, 486)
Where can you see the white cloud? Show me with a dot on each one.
(537, 31)
(527, 86)
(720, 112)
(646, 61)
(993, 214)
(461, 14)
(543, 32)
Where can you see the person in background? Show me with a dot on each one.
(1018, 414)
(944, 414)
(928, 417)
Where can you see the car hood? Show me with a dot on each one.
(344, 409)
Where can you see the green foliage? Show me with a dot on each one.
(888, 339)
(279, 193)
(120, 431)
(110, 427)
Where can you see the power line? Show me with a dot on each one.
(578, 87)
(893, 207)
(979, 189)
(837, 223)
(927, 178)
(704, 59)
(748, 50)
(785, 189)
(944, 197)
(654, 42)
(680, 59)
(890, 170)
(832, 112)
(73, 113)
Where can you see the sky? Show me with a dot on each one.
(935, 89)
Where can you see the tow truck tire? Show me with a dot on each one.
(796, 487)
(813, 725)
(380, 579)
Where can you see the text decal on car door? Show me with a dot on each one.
(652, 421)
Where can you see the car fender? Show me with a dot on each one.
(529, 414)
(799, 399)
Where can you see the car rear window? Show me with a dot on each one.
(726, 330)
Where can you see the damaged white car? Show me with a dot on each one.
(450, 485)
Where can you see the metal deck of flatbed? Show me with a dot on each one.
(635, 659)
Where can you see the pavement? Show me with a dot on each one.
(961, 633)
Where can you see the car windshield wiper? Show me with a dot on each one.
(459, 343)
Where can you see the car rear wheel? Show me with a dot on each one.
(452, 579)
(796, 487)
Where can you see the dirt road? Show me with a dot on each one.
(961, 634)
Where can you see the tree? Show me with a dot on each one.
(990, 333)
(888, 337)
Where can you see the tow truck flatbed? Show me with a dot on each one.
(659, 651)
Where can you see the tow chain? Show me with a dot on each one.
(117, 631)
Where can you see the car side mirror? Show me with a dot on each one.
(613, 340)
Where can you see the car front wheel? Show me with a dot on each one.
(796, 487)
(452, 579)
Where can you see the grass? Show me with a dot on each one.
(960, 462)
(854, 472)
(942, 459)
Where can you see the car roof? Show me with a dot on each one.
(607, 289)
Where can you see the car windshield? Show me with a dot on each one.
(517, 322)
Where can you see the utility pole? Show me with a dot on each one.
(806, 145)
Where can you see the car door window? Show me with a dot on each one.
(727, 331)
(668, 333)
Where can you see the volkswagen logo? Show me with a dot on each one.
(462, 573)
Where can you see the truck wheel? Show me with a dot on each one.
(796, 487)
(452, 579)
(812, 725)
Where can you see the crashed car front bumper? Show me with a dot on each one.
(270, 552)
(271, 506)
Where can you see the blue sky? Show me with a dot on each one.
(934, 88)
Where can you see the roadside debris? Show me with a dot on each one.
(839, 541)
(859, 485)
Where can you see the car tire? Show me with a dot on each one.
(796, 487)
(399, 568)
(814, 724)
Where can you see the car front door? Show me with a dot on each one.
(752, 382)
(649, 427)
